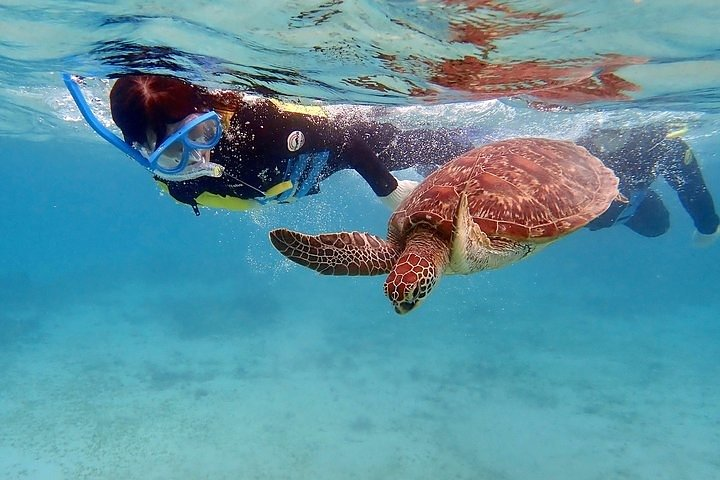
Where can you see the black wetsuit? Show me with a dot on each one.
(262, 138)
(639, 156)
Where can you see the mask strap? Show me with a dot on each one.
(99, 128)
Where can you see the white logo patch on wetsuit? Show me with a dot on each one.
(295, 141)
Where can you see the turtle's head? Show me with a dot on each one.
(410, 282)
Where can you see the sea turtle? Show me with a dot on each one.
(487, 208)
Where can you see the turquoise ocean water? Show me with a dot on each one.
(138, 341)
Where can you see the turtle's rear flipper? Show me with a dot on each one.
(343, 253)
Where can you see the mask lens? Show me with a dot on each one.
(203, 135)
(171, 156)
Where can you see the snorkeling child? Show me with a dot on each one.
(638, 156)
(226, 149)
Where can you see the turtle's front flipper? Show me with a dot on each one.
(471, 249)
(344, 253)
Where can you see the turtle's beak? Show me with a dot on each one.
(404, 307)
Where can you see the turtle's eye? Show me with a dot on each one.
(414, 293)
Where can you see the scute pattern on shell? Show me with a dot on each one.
(524, 189)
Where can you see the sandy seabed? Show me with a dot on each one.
(121, 387)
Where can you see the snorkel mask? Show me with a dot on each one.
(183, 155)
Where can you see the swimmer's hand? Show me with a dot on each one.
(404, 188)
(702, 240)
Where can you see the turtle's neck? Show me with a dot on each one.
(427, 244)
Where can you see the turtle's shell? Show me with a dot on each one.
(525, 189)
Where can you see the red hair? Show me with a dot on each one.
(149, 102)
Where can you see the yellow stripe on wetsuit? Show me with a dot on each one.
(214, 200)
(311, 110)
(679, 132)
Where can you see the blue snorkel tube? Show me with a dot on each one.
(180, 172)
(99, 128)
